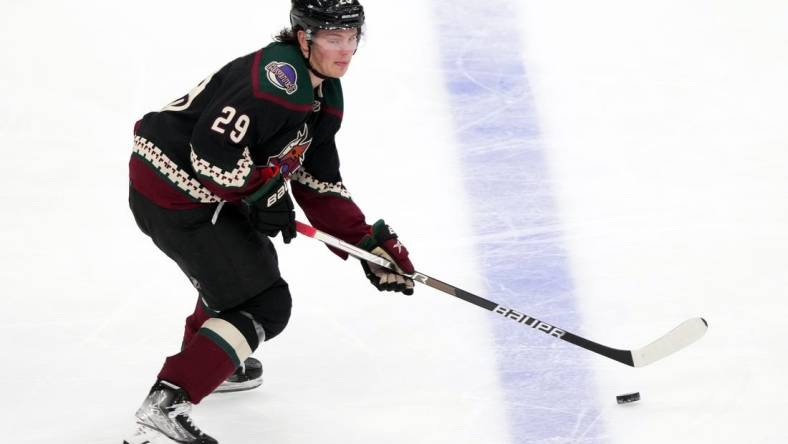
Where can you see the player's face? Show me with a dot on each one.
(332, 51)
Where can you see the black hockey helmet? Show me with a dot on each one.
(314, 15)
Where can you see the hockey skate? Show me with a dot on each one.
(164, 417)
(246, 377)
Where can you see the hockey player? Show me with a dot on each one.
(210, 177)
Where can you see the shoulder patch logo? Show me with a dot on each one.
(292, 156)
(283, 76)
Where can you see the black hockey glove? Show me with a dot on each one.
(383, 242)
(270, 209)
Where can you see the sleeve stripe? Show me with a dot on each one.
(336, 112)
(236, 178)
(337, 188)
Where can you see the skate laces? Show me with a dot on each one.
(183, 409)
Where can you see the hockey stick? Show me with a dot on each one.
(685, 334)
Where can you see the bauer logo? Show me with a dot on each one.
(274, 198)
(529, 321)
(283, 76)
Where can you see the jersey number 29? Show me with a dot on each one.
(240, 127)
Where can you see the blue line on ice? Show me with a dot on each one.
(547, 384)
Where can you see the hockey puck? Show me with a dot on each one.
(626, 398)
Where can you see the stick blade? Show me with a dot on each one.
(680, 337)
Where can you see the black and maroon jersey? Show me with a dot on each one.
(256, 115)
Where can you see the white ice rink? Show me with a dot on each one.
(658, 190)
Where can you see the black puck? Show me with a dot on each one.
(626, 398)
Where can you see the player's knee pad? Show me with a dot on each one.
(264, 316)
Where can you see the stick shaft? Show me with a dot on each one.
(687, 333)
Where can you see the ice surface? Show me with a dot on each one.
(662, 126)
(647, 143)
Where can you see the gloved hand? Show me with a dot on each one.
(383, 242)
(270, 209)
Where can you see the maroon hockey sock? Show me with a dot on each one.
(199, 368)
(194, 322)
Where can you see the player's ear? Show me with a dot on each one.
(303, 43)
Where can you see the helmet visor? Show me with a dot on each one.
(336, 39)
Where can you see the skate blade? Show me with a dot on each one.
(147, 435)
(227, 387)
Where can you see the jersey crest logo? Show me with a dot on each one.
(283, 76)
(292, 156)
